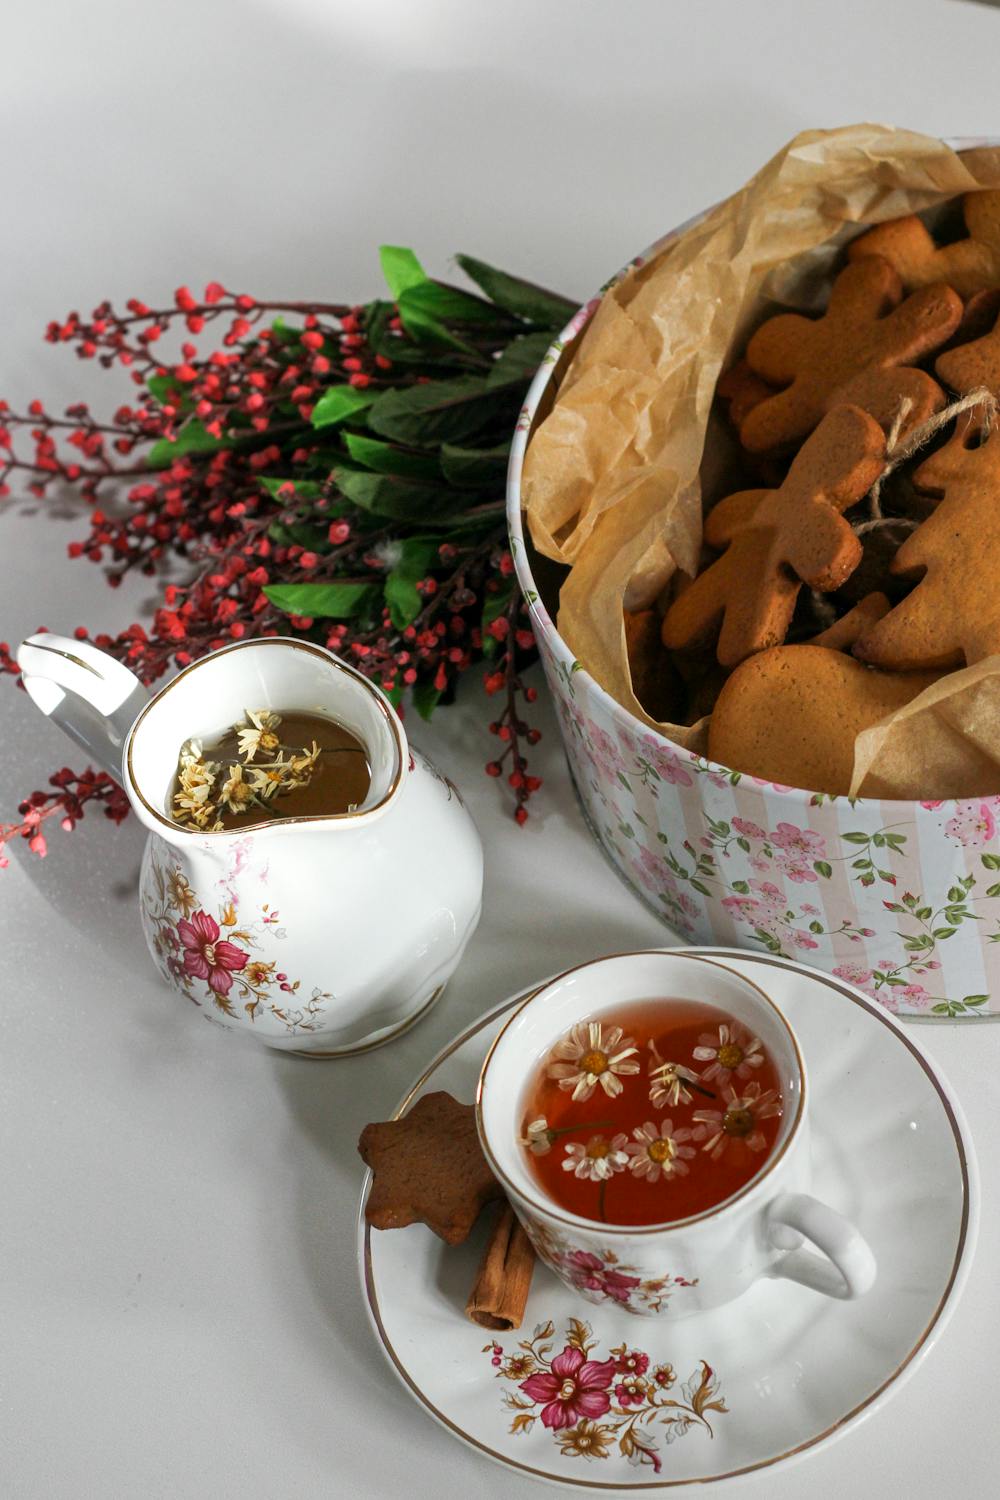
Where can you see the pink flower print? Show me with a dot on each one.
(799, 873)
(811, 911)
(205, 957)
(804, 940)
(749, 830)
(589, 1273)
(687, 904)
(854, 974)
(632, 1362)
(758, 862)
(631, 1391)
(602, 748)
(974, 824)
(913, 994)
(769, 894)
(666, 763)
(799, 843)
(572, 1387)
(930, 806)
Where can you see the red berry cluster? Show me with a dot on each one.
(217, 461)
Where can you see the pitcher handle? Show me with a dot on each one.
(87, 693)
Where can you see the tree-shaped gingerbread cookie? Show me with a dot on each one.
(969, 265)
(776, 540)
(858, 353)
(952, 616)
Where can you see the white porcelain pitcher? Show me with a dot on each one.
(324, 934)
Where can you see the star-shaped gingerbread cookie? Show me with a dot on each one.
(776, 540)
(969, 265)
(858, 353)
(428, 1167)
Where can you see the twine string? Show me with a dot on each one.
(898, 449)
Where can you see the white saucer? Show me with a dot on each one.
(794, 1370)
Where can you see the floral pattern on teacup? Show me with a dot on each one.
(593, 1407)
(598, 1275)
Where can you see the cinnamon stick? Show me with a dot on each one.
(498, 1297)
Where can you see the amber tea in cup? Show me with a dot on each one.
(288, 765)
(652, 1113)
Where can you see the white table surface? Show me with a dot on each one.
(179, 1306)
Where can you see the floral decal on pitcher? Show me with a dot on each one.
(221, 959)
(594, 1407)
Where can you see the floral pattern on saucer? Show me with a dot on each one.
(624, 1404)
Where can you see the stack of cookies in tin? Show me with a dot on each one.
(861, 561)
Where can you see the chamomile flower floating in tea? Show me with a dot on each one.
(588, 1057)
(658, 1149)
(627, 1167)
(738, 1127)
(730, 1050)
(270, 765)
(598, 1159)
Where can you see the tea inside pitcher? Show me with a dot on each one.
(269, 766)
(654, 1112)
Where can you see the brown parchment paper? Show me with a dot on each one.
(611, 480)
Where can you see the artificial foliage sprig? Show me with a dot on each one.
(325, 470)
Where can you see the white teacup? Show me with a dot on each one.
(697, 1263)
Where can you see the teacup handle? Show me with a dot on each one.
(849, 1267)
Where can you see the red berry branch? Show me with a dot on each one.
(325, 471)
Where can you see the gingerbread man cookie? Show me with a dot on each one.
(972, 365)
(952, 617)
(428, 1168)
(776, 540)
(858, 353)
(969, 265)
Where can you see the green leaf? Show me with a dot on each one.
(474, 466)
(522, 298)
(520, 359)
(991, 861)
(192, 438)
(338, 402)
(401, 269)
(855, 838)
(822, 868)
(299, 531)
(425, 698)
(741, 887)
(441, 411)
(333, 601)
(702, 890)
(975, 999)
(424, 327)
(398, 498)
(942, 1009)
(438, 300)
(390, 458)
(417, 554)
